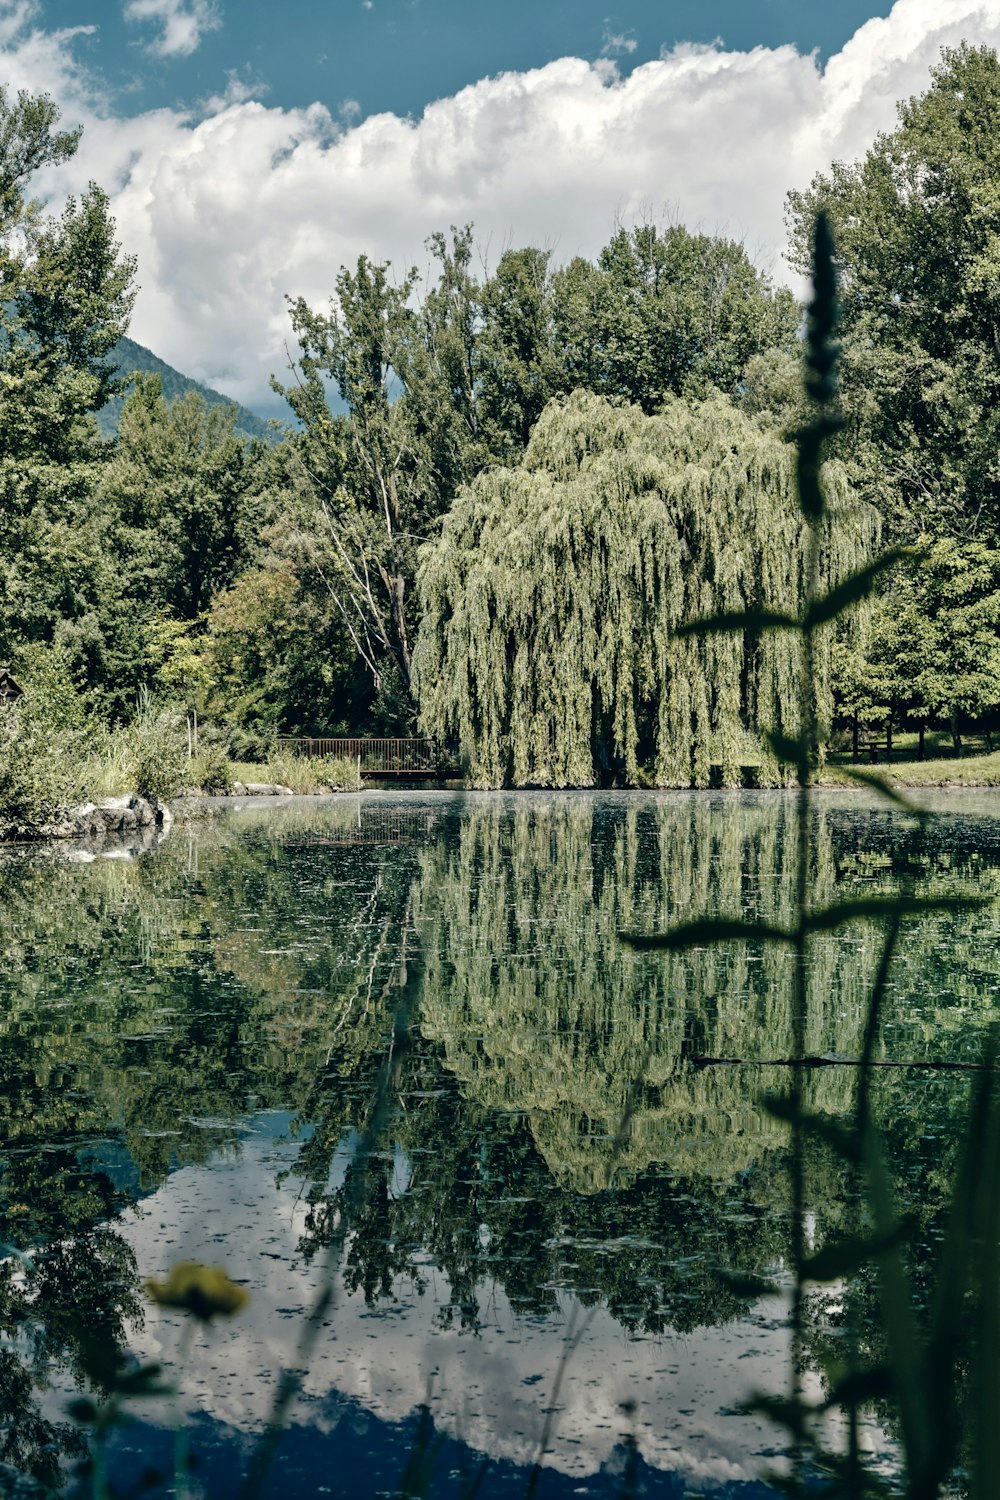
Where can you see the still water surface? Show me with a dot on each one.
(541, 1245)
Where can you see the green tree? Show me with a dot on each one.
(934, 652)
(442, 383)
(384, 474)
(666, 312)
(181, 485)
(65, 297)
(917, 225)
(550, 604)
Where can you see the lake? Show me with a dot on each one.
(391, 1045)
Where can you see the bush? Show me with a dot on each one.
(156, 754)
(212, 770)
(255, 745)
(40, 770)
(303, 775)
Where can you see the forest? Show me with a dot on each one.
(500, 493)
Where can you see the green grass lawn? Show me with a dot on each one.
(977, 767)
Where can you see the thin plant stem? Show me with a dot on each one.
(800, 1001)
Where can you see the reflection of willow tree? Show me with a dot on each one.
(539, 1008)
(530, 1005)
(480, 1204)
(146, 1006)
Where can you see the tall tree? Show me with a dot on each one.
(440, 385)
(384, 473)
(180, 484)
(934, 647)
(549, 604)
(667, 313)
(917, 225)
(65, 297)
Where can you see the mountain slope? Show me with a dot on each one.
(131, 357)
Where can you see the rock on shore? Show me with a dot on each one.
(115, 817)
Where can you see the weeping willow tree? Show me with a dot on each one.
(549, 604)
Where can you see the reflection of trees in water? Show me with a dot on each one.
(145, 1003)
(546, 1023)
(540, 1008)
(153, 1003)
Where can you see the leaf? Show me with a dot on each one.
(789, 1414)
(11, 1252)
(205, 1291)
(906, 1355)
(843, 1257)
(838, 1137)
(884, 788)
(745, 1284)
(854, 588)
(879, 908)
(859, 1387)
(791, 752)
(730, 621)
(709, 930)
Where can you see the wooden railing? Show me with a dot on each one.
(388, 757)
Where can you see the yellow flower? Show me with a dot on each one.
(205, 1291)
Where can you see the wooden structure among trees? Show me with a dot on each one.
(10, 688)
(375, 757)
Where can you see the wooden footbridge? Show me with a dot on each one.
(401, 758)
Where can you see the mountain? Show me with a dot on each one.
(131, 357)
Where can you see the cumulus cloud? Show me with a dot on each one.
(181, 23)
(234, 206)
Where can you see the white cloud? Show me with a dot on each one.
(618, 42)
(233, 207)
(182, 23)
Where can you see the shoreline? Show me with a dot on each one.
(131, 819)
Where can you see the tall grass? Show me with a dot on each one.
(303, 774)
(927, 1347)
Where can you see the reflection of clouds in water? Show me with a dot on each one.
(488, 1390)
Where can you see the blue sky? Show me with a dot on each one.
(399, 54)
(252, 147)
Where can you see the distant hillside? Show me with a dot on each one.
(130, 357)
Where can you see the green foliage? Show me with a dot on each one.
(919, 250)
(934, 648)
(307, 774)
(44, 739)
(179, 484)
(65, 299)
(212, 770)
(549, 646)
(440, 387)
(39, 771)
(275, 656)
(667, 312)
(921, 1365)
(157, 753)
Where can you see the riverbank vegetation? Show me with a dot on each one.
(356, 574)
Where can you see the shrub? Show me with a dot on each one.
(156, 753)
(212, 770)
(39, 769)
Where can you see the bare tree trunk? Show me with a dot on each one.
(399, 617)
(855, 739)
(921, 742)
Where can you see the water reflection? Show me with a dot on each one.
(154, 1007)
